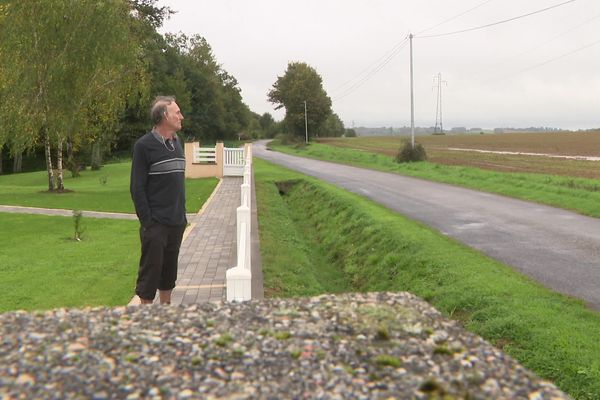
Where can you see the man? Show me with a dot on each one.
(158, 193)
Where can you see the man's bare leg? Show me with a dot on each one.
(165, 296)
(145, 301)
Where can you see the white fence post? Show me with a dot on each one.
(239, 278)
(247, 174)
(245, 195)
(244, 217)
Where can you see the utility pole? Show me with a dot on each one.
(305, 122)
(437, 80)
(412, 97)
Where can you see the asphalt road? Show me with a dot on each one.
(558, 248)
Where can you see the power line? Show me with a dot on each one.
(371, 66)
(453, 18)
(376, 66)
(553, 38)
(536, 46)
(496, 23)
(549, 61)
(346, 92)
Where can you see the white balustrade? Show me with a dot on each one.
(239, 278)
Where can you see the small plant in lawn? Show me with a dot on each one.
(408, 153)
(77, 219)
(103, 180)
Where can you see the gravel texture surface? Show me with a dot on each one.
(359, 346)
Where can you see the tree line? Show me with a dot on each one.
(77, 78)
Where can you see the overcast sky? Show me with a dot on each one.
(494, 75)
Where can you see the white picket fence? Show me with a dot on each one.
(239, 277)
(205, 155)
(233, 162)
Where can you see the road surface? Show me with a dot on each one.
(558, 248)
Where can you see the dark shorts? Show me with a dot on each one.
(158, 263)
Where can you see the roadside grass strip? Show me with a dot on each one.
(291, 262)
(104, 190)
(42, 267)
(377, 249)
(577, 194)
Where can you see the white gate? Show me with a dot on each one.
(233, 162)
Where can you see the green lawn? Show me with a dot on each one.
(577, 194)
(359, 245)
(41, 267)
(103, 190)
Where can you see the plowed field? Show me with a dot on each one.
(438, 151)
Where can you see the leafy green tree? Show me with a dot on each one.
(268, 125)
(237, 114)
(65, 65)
(253, 129)
(209, 97)
(350, 133)
(266, 121)
(332, 127)
(301, 83)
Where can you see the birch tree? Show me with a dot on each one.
(66, 66)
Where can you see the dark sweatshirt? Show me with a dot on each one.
(158, 180)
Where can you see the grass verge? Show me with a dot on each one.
(43, 268)
(379, 250)
(291, 266)
(577, 194)
(103, 190)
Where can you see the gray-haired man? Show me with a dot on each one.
(158, 193)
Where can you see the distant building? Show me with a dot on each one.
(459, 129)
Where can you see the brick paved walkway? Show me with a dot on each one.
(210, 247)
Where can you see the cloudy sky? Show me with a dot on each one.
(540, 70)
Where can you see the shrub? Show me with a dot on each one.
(350, 133)
(287, 139)
(409, 154)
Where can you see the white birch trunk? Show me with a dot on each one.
(59, 167)
(49, 164)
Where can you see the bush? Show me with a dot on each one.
(350, 133)
(409, 154)
(288, 139)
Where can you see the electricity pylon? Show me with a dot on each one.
(437, 80)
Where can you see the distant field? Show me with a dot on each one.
(437, 147)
